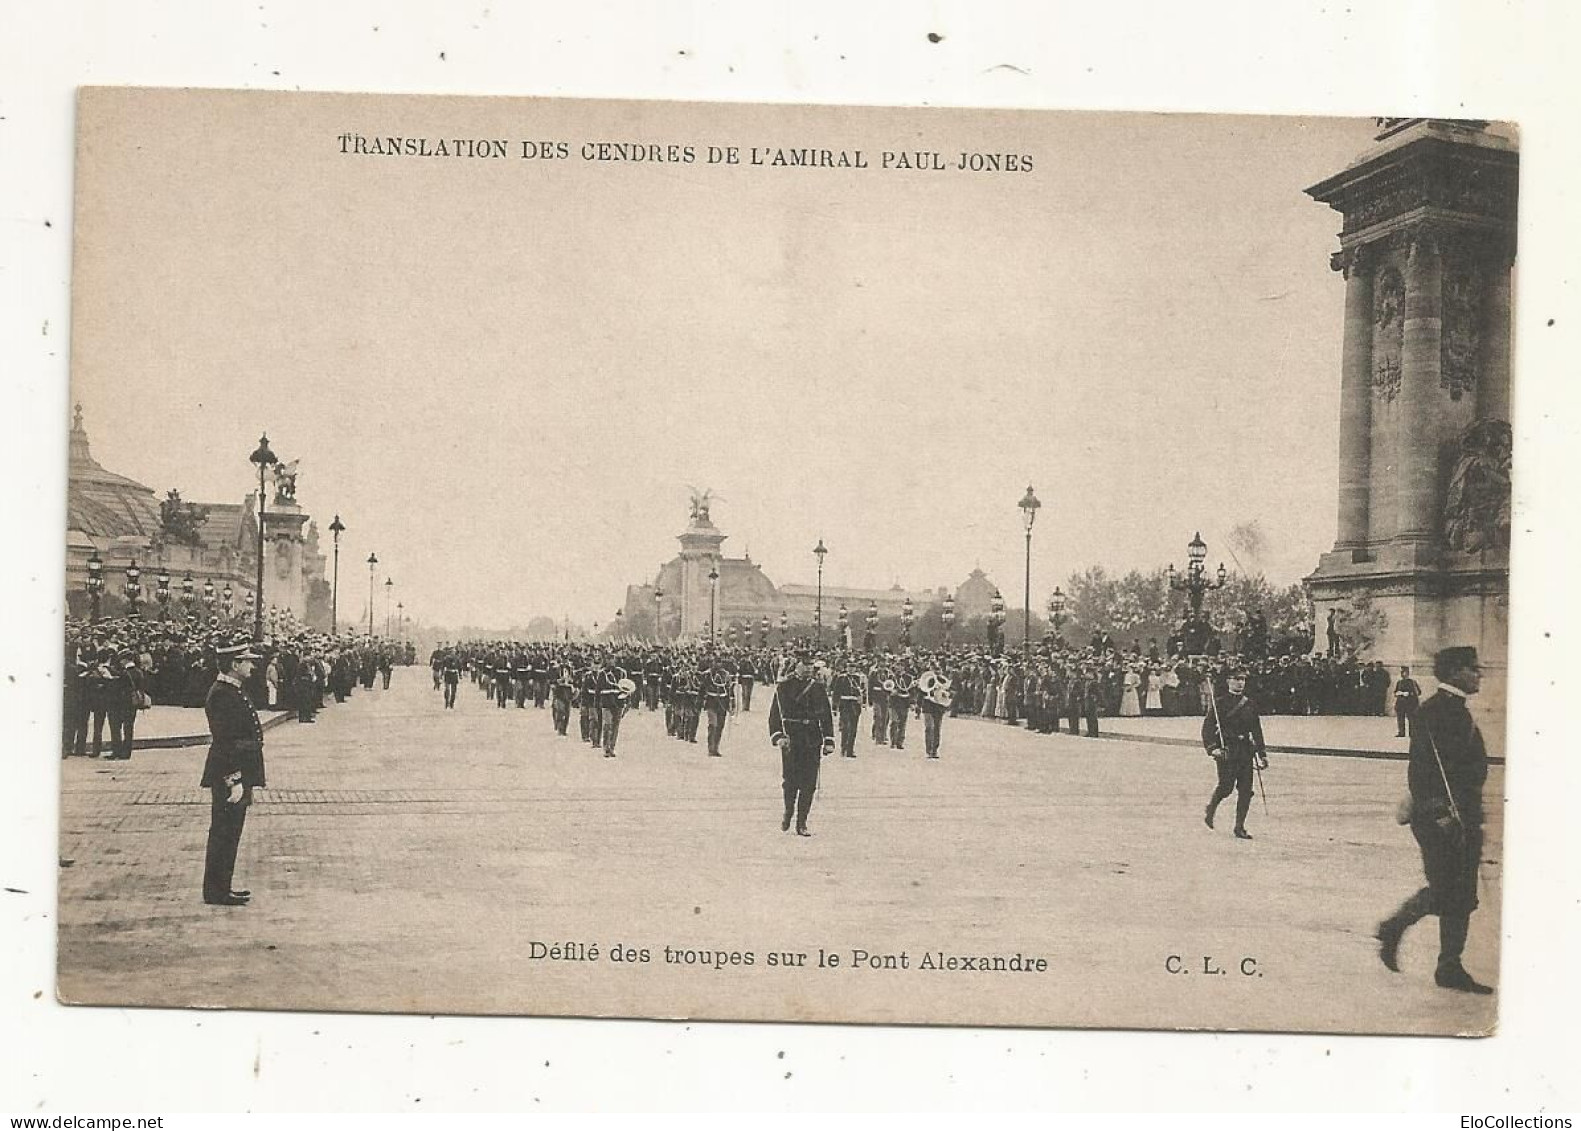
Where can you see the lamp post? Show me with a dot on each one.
(162, 591)
(996, 623)
(1196, 584)
(225, 601)
(843, 621)
(264, 458)
(906, 613)
(95, 585)
(1029, 514)
(713, 602)
(337, 528)
(187, 595)
(373, 562)
(763, 633)
(389, 586)
(208, 596)
(658, 598)
(134, 587)
(400, 620)
(252, 605)
(948, 617)
(871, 640)
(1056, 610)
(784, 627)
(817, 618)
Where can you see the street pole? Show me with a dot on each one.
(263, 457)
(373, 561)
(337, 528)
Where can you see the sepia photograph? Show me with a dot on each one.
(816, 563)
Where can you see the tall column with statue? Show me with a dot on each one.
(1421, 553)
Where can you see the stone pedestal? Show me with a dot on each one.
(284, 549)
(700, 544)
(1421, 548)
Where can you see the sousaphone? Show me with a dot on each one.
(936, 688)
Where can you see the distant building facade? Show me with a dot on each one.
(684, 601)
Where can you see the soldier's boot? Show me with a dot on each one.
(1213, 807)
(1393, 929)
(1243, 805)
(1451, 975)
(790, 809)
(803, 807)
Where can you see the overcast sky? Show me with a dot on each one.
(504, 374)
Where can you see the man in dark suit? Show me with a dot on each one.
(234, 768)
(801, 724)
(121, 701)
(1232, 733)
(1448, 767)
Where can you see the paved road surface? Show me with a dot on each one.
(407, 858)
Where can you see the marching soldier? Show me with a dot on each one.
(746, 677)
(933, 706)
(563, 691)
(902, 700)
(880, 684)
(847, 695)
(801, 724)
(1448, 767)
(450, 672)
(719, 702)
(613, 687)
(233, 769)
(591, 682)
(1232, 733)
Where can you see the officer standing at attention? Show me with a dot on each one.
(450, 670)
(1407, 698)
(234, 768)
(719, 702)
(801, 724)
(1232, 733)
(1448, 767)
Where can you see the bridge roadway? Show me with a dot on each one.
(407, 858)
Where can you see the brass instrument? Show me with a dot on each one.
(936, 689)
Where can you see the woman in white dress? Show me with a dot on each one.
(1155, 692)
(1130, 704)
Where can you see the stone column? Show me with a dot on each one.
(1493, 390)
(1355, 404)
(1421, 363)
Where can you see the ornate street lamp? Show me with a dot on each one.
(208, 596)
(658, 596)
(252, 605)
(373, 561)
(1195, 584)
(948, 617)
(162, 591)
(134, 587)
(187, 594)
(906, 613)
(763, 633)
(713, 603)
(843, 621)
(871, 639)
(337, 528)
(1056, 609)
(1029, 514)
(389, 585)
(95, 584)
(817, 620)
(264, 459)
(784, 627)
(225, 601)
(996, 623)
(400, 620)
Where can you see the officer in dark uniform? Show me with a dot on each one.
(879, 683)
(902, 701)
(234, 768)
(1448, 767)
(562, 691)
(847, 695)
(1232, 733)
(1407, 698)
(801, 724)
(592, 684)
(719, 703)
(450, 673)
(746, 677)
(611, 706)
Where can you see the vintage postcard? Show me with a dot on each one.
(661, 560)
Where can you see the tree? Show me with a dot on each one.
(181, 523)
